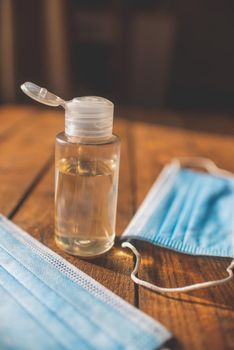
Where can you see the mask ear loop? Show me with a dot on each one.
(205, 163)
(211, 168)
(189, 288)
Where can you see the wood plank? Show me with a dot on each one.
(12, 117)
(202, 319)
(36, 215)
(25, 152)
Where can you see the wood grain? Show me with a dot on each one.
(199, 320)
(203, 319)
(36, 215)
(25, 154)
(11, 118)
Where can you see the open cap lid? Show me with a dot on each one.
(41, 95)
(85, 117)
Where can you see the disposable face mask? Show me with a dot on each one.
(46, 303)
(187, 211)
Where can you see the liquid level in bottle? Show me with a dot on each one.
(85, 206)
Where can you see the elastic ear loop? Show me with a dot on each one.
(206, 163)
(212, 168)
(156, 288)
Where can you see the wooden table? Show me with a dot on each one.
(199, 320)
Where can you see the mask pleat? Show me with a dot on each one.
(209, 221)
(193, 215)
(22, 328)
(189, 197)
(29, 304)
(93, 321)
(172, 206)
(81, 322)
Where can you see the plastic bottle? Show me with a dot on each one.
(86, 173)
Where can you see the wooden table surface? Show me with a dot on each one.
(202, 319)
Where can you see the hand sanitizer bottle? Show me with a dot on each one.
(86, 173)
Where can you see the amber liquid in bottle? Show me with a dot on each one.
(85, 204)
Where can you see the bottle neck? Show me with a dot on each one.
(88, 140)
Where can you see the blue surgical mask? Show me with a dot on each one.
(46, 303)
(187, 211)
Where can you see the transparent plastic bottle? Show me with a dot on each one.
(86, 173)
(86, 178)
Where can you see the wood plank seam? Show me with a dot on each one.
(36, 216)
(132, 166)
(32, 185)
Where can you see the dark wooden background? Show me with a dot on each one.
(175, 54)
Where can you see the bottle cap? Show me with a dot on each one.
(86, 117)
(89, 117)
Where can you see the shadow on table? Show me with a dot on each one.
(115, 260)
(160, 265)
